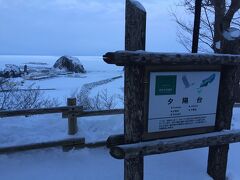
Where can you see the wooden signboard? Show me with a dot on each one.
(180, 101)
(186, 96)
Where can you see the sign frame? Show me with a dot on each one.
(180, 132)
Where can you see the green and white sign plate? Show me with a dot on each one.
(182, 100)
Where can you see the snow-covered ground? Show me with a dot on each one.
(97, 164)
(44, 128)
(90, 164)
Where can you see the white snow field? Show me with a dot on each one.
(90, 164)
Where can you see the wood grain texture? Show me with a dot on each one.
(135, 37)
(134, 103)
(175, 144)
(115, 140)
(72, 119)
(134, 168)
(135, 26)
(122, 58)
(217, 161)
(218, 155)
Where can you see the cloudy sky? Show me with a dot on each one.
(79, 27)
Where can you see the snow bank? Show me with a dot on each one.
(44, 128)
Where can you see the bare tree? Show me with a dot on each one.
(218, 16)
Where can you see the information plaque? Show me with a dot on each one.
(182, 100)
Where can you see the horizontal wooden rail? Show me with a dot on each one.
(95, 113)
(102, 113)
(67, 144)
(74, 142)
(175, 144)
(27, 112)
(77, 110)
(115, 140)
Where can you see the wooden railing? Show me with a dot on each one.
(28, 112)
(71, 111)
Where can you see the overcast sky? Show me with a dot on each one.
(79, 27)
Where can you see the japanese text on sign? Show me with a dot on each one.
(182, 100)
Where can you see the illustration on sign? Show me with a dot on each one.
(207, 81)
(182, 100)
(186, 82)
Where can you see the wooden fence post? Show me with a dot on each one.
(135, 37)
(72, 118)
(218, 155)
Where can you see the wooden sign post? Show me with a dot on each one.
(165, 106)
(135, 37)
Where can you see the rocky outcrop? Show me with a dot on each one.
(70, 64)
(11, 71)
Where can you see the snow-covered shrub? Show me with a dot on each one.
(101, 101)
(14, 98)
